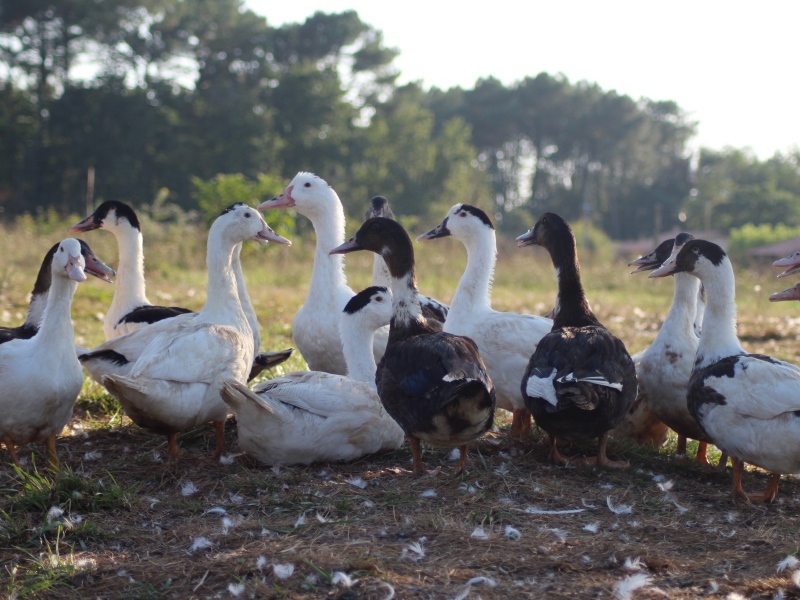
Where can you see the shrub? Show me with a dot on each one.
(749, 236)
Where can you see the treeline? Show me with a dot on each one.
(156, 96)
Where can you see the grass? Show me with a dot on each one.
(127, 529)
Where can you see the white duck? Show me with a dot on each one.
(311, 416)
(315, 328)
(117, 355)
(664, 368)
(748, 404)
(41, 376)
(505, 340)
(174, 384)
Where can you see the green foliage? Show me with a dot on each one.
(216, 194)
(749, 236)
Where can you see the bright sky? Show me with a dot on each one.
(733, 65)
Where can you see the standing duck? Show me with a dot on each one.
(315, 328)
(434, 384)
(663, 369)
(506, 340)
(748, 404)
(581, 381)
(130, 309)
(41, 376)
(431, 309)
(41, 289)
(175, 383)
(313, 416)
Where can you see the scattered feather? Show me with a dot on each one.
(226, 459)
(189, 488)
(735, 596)
(479, 533)
(200, 544)
(321, 519)
(623, 590)
(620, 509)
(665, 486)
(413, 551)
(714, 587)
(588, 504)
(779, 595)
(484, 580)
(236, 498)
(658, 478)
(342, 579)
(301, 520)
(93, 455)
(559, 533)
(465, 487)
(633, 565)
(790, 562)
(75, 519)
(534, 510)
(283, 571)
(236, 589)
(455, 454)
(796, 578)
(681, 509)
(368, 504)
(512, 533)
(227, 523)
(261, 562)
(428, 494)
(217, 510)
(592, 527)
(358, 482)
(390, 590)
(54, 513)
(276, 469)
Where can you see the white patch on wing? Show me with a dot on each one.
(542, 387)
(597, 380)
(458, 376)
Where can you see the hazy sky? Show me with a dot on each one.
(733, 65)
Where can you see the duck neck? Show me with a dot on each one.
(327, 274)
(41, 289)
(357, 343)
(572, 307)
(222, 300)
(406, 310)
(681, 316)
(475, 288)
(380, 272)
(244, 297)
(718, 338)
(56, 326)
(129, 289)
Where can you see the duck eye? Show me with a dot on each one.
(247, 215)
(307, 185)
(60, 249)
(378, 299)
(462, 214)
(695, 249)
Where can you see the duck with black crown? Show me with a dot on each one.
(581, 381)
(433, 384)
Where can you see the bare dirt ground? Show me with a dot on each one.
(135, 525)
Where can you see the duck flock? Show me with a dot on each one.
(388, 364)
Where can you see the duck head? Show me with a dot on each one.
(372, 307)
(550, 232)
(791, 262)
(379, 207)
(307, 193)
(387, 238)
(109, 215)
(68, 260)
(696, 257)
(463, 221)
(241, 222)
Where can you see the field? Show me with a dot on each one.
(119, 520)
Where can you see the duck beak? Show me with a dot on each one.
(88, 224)
(94, 266)
(439, 231)
(670, 265)
(790, 294)
(349, 246)
(645, 263)
(75, 268)
(284, 200)
(268, 235)
(527, 239)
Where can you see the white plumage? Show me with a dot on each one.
(315, 328)
(311, 416)
(41, 376)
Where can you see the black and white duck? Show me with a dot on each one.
(748, 404)
(434, 384)
(581, 381)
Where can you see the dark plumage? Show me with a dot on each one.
(431, 308)
(433, 384)
(94, 266)
(581, 380)
(151, 314)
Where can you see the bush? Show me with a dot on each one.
(745, 238)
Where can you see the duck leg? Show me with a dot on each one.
(557, 457)
(219, 434)
(602, 460)
(462, 461)
(738, 492)
(172, 442)
(50, 442)
(521, 422)
(416, 452)
(702, 450)
(723, 461)
(12, 449)
(680, 449)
